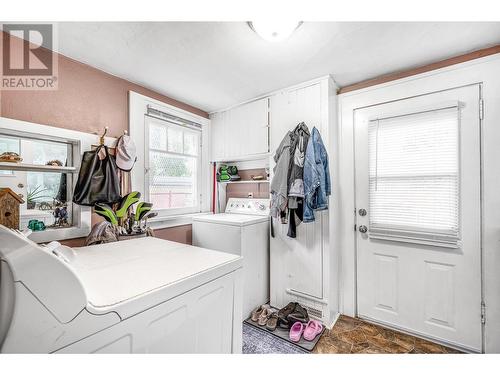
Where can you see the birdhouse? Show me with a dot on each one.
(9, 208)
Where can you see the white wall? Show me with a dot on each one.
(485, 71)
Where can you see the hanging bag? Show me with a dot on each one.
(98, 179)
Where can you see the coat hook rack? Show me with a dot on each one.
(101, 138)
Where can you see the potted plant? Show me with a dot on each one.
(33, 195)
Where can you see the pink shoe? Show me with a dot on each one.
(313, 329)
(296, 331)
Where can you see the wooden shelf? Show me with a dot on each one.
(237, 159)
(6, 166)
(244, 182)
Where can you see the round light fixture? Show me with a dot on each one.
(274, 31)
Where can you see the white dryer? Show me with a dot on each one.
(144, 295)
(243, 229)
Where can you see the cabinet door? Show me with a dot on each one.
(245, 130)
(218, 134)
(198, 321)
(256, 127)
(235, 132)
(296, 263)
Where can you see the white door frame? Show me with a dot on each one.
(483, 71)
(480, 124)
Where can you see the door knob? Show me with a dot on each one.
(363, 229)
(362, 212)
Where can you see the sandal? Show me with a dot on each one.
(272, 322)
(257, 312)
(296, 331)
(264, 317)
(313, 329)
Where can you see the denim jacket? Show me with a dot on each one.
(317, 185)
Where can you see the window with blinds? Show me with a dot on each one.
(414, 177)
(174, 164)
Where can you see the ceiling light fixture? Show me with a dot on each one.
(274, 31)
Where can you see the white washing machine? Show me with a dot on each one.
(243, 229)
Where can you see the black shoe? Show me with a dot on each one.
(299, 314)
(283, 315)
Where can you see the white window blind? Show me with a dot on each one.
(173, 162)
(414, 177)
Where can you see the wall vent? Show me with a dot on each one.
(314, 312)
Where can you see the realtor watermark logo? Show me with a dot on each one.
(29, 60)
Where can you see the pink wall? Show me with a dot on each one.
(182, 233)
(87, 99)
(242, 190)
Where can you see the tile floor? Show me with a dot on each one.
(350, 335)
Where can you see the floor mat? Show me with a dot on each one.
(285, 335)
(257, 341)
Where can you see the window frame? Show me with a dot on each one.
(12, 174)
(139, 106)
(168, 212)
(81, 142)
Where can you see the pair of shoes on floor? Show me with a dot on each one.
(309, 331)
(292, 313)
(261, 315)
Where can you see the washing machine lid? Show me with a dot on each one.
(231, 219)
(126, 272)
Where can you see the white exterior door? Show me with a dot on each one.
(418, 213)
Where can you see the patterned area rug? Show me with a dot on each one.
(257, 341)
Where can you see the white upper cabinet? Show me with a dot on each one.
(256, 117)
(218, 132)
(240, 132)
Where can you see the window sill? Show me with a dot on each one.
(7, 166)
(59, 234)
(174, 220)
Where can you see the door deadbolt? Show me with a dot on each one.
(363, 229)
(362, 212)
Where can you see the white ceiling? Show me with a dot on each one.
(213, 65)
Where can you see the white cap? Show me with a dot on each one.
(125, 153)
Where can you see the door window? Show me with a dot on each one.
(414, 176)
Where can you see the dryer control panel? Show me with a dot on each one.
(248, 206)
